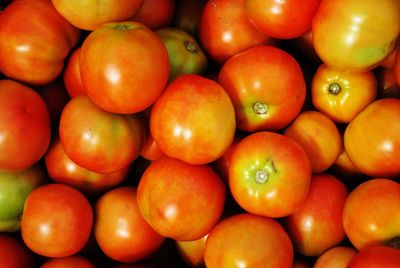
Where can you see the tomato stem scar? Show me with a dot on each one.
(190, 46)
(334, 88)
(260, 108)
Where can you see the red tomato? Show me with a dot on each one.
(62, 169)
(25, 126)
(72, 75)
(372, 139)
(371, 214)
(34, 41)
(193, 120)
(224, 29)
(150, 149)
(337, 257)
(120, 230)
(13, 254)
(247, 240)
(90, 15)
(56, 221)
(262, 99)
(68, 262)
(282, 19)
(163, 197)
(100, 141)
(269, 174)
(316, 225)
(376, 257)
(155, 14)
(124, 67)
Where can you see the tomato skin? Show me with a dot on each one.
(25, 126)
(316, 225)
(246, 240)
(388, 87)
(155, 14)
(376, 256)
(337, 257)
(282, 19)
(224, 30)
(193, 120)
(254, 76)
(319, 137)
(100, 141)
(34, 53)
(120, 230)
(355, 35)
(269, 174)
(62, 169)
(72, 75)
(56, 221)
(192, 251)
(89, 14)
(371, 214)
(342, 95)
(117, 63)
(13, 253)
(372, 141)
(162, 196)
(68, 262)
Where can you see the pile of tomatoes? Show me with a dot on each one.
(189, 133)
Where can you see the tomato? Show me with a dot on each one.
(163, 194)
(397, 68)
(262, 99)
(120, 230)
(184, 53)
(34, 41)
(193, 120)
(100, 141)
(390, 60)
(316, 225)
(62, 169)
(90, 15)
(282, 19)
(388, 87)
(192, 251)
(68, 262)
(118, 62)
(25, 126)
(150, 149)
(14, 189)
(187, 15)
(342, 95)
(319, 137)
(337, 257)
(371, 214)
(377, 256)
(269, 174)
(345, 167)
(224, 29)
(13, 253)
(155, 14)
(56, 221)
(355, 35)
(247, 240)
(72, 75)
(372, 139)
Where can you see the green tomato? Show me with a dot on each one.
(14, 188)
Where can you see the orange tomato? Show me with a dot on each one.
(155, 14)
(192, 251)
(72, 75)
(337, 257)
(388, 87)
(75, 261)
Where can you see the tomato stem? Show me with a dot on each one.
(190, 46)
(334, 88)
(260, 108)
(262, 175)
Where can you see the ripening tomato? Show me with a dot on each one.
(179, 200)
(75, 261)
(34, 41)
(14, 254)
(124, 67)
(25, 126)
(72, 75)
(263, 100)
(371, 214)
(100, 141)
(337, 257)
(316, 225)
(89, 14)
(224, 29)
(193, 120)
(342, 95)
(247, 240)
(319, 137)
(56, 221)
(282, 19)
(372, 139)
(376, 257)
(269, 174)
(120, 230)
(192, 252)
(155, 14)
(355, 35)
